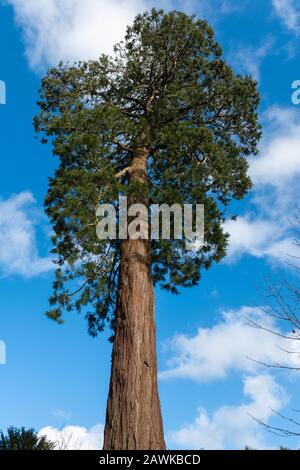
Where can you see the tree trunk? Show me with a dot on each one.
(133, 416)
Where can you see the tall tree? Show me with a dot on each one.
(163, 120)
(24, 439)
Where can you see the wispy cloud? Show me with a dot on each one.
(289, 12)
(18, 244)
(249, 59)
(64, 414)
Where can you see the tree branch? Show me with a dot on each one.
(123, 172)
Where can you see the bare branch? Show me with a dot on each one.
(273, 430)
(123, 172)
(272, 366)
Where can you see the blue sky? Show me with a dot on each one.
(56, 377)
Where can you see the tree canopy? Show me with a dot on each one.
(167, 82)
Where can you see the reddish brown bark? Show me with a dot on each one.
(133, 417)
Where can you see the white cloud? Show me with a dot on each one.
(227, 346)
(231, 427)
(261, 238)
(57, 30)
(280, 154)
(267, 231)
(75, 437)
(18, 245)
(71, 30)
(289, 12)
(212, 354)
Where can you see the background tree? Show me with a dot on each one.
(164, 120)
(24, 439)
(283, 305)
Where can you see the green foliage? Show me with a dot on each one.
(22, 439)
(168, 82)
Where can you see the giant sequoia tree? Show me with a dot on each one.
(163, 120)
